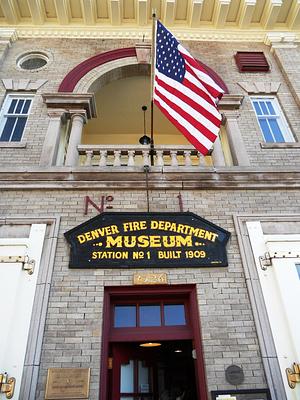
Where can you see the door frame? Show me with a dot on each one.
(270, 224)
(126, 292)
(21, 226)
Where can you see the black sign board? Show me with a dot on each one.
(147, 240)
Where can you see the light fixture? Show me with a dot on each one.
(150, 344)
(178, 351)
(145, 139)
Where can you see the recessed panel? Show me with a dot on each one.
(24, 9)
(156, 6)
(128, 9)
(207, 10)
(50, 9)
(102, 9)
(258, 10)
(233, 10)
(75, 9)
(181, 10)
(284, 11)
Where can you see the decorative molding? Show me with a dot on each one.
(223, 35)
(8, 35)
(143, 53)
(24, 85)
(71, 103)
(231, 102)
(285, 145)
(169, 178)
(260, 87)
(282, 39)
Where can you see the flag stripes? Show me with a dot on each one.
(185, 92)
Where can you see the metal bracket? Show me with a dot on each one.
(7, 385)
(27, 264)
(266, 259)
(293, 375)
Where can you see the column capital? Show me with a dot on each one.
(281, 40)
(79, 114)
(56, 113)
(230, 114)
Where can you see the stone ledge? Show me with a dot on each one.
(280, 145)
(13, 145)
(168, 178)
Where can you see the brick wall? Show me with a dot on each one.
(219, 56)
(74, 319)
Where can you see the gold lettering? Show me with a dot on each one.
(114, 242)
(143, 241)
(81, 239)
(155, 241)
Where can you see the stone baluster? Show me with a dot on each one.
(201, 159)
(131, 161)
(78, 120)
(187, 158)
(146, 159)
(89, 156)
(159, 158)
(237, 145)
(117, 158)
(103, 157)
(174, 161)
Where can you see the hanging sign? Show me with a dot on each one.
(147, 240)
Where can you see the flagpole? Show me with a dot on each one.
(153, 49)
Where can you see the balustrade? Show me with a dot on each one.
(135, 156)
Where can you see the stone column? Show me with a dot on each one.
(51, 143)
(237, 145)
(284, 47)
(217, 154)
(78, 119)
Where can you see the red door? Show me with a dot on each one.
(138, 317)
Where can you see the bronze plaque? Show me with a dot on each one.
(150, 279)
(67, 383)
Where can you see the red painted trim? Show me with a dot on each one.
(163, 291)
(215, 76)
(73, 77)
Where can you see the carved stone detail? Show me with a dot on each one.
(260, 87)
(26, 85)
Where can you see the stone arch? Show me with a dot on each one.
(95, 72)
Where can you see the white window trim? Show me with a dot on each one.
(5, 107)
(282, 122)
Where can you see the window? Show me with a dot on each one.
(271, 120)
(149, 315)
(14, 115)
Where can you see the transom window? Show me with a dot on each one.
(271, 120)
(147, 315)
(14, 116)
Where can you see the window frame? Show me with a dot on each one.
(4, 114)
(278, 116)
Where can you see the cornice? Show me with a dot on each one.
(222, 35)
(166, 178)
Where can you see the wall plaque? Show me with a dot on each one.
(150, 279)
(147, 240)
(234, 375)
(67, 383)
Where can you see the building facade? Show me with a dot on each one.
(74, 78)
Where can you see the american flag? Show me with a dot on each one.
(185, 92)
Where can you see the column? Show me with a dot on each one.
(51, 143)
(78, 119)
(217, 154)
(237, 145)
